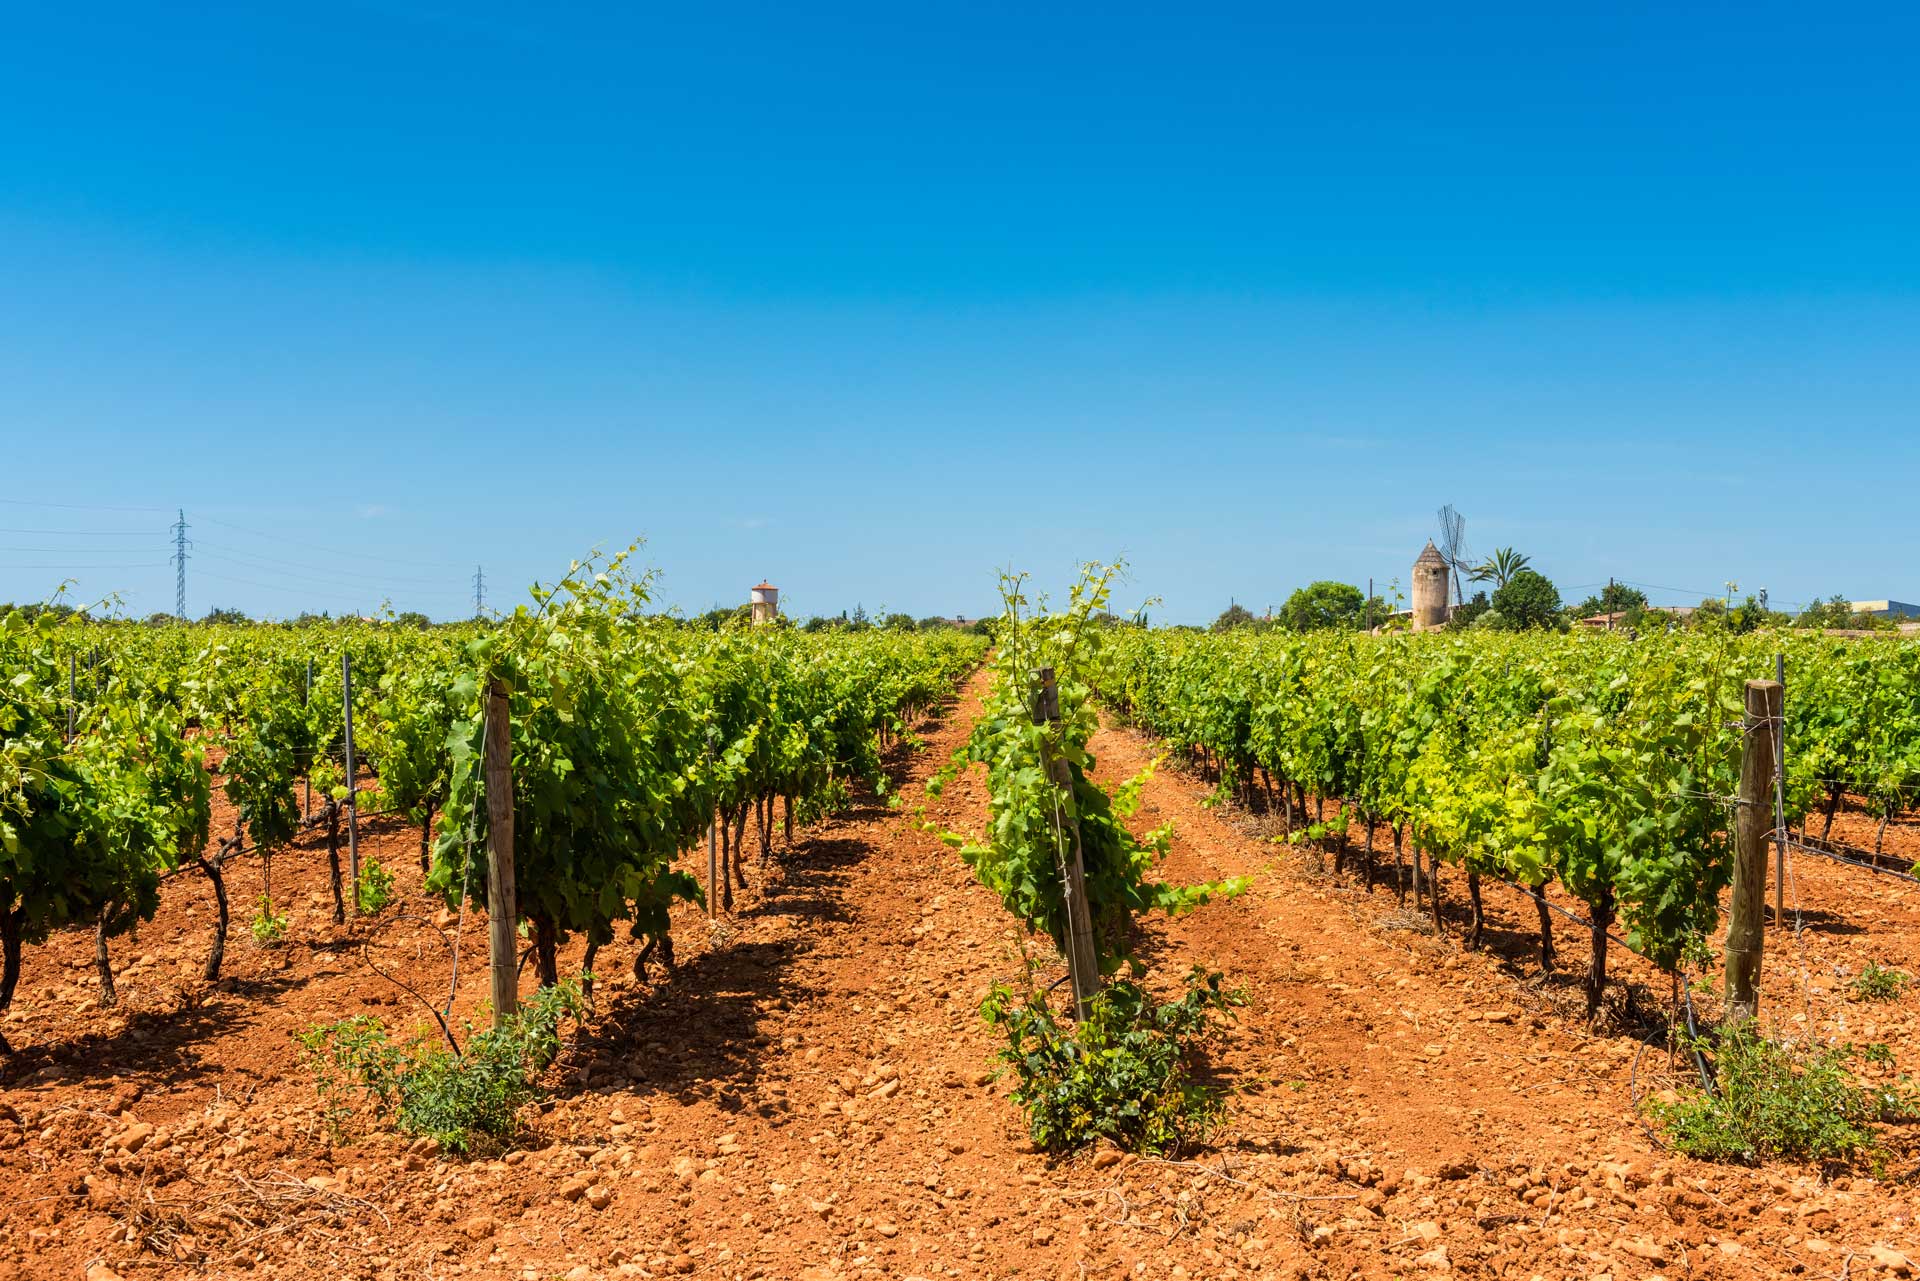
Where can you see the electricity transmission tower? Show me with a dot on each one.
(479, 593)
(180, 544)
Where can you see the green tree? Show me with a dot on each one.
(1618, 598)
(1499, 568)
(1235, 615)
(1837, 611)
(1528, 600)
(721, 617)
(1323, 605)
(1750, 615)
(898, 623)
(218, 614)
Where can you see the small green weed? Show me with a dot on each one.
(269, 930)
(467, 1101)
(1878, 983)
(375, 889)
(1778, 1101)
(1125, 1073)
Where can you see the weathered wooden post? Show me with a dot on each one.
(1780, 797)
(713, 870)
(713, 855)
(353, 794)
(306, 696)
(502, 913)
(1083, 965)
(1752, 821)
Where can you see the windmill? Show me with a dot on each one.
(1453, 548)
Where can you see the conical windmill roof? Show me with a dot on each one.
(1431, 556)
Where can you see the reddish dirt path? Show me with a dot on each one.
(1501, 1132)
(805, 1097)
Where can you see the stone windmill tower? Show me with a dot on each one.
(1429, 589)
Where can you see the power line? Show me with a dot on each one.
(1677, 591)
(77, 507)
(275, 563)
(370, 588)
(331, 551)
(75, 551)
(281, 587)
(87, 533)
(151, 564)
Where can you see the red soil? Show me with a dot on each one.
(806, 1096)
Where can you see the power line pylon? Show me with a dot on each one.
(179, 558)
(479, 593)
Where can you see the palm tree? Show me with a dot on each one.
(1499, 567)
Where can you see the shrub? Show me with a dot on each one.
(1323, 605)
(466, 1101)
(269, 930)
(1778, 1101)
(375, 888)
(1125, 1073)
(1877, 983)
(1527, 599)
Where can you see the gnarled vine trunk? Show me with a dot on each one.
(1479, 917)
(333, 861)
(212, 868)
(1546, 926)
(1597, 967)
(1399, 865)
(102, 960)
(1367, 857)
(546, 950)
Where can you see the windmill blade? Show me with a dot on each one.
(1453, 547)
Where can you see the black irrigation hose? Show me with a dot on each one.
(366, 959)
(1705, 1068)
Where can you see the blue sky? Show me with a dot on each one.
(874, 301)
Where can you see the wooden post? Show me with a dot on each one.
(1083, 965)
(713, 869)
(1780, 797)
(306, 696)
(1745, 924)
(73, 696)
(503, 915)
(713, 854)
(353, 794)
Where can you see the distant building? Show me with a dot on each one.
(1429, 589)
(1618, 618)
(766, 604)
(1885, 608)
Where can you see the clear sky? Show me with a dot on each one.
(873, 301)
